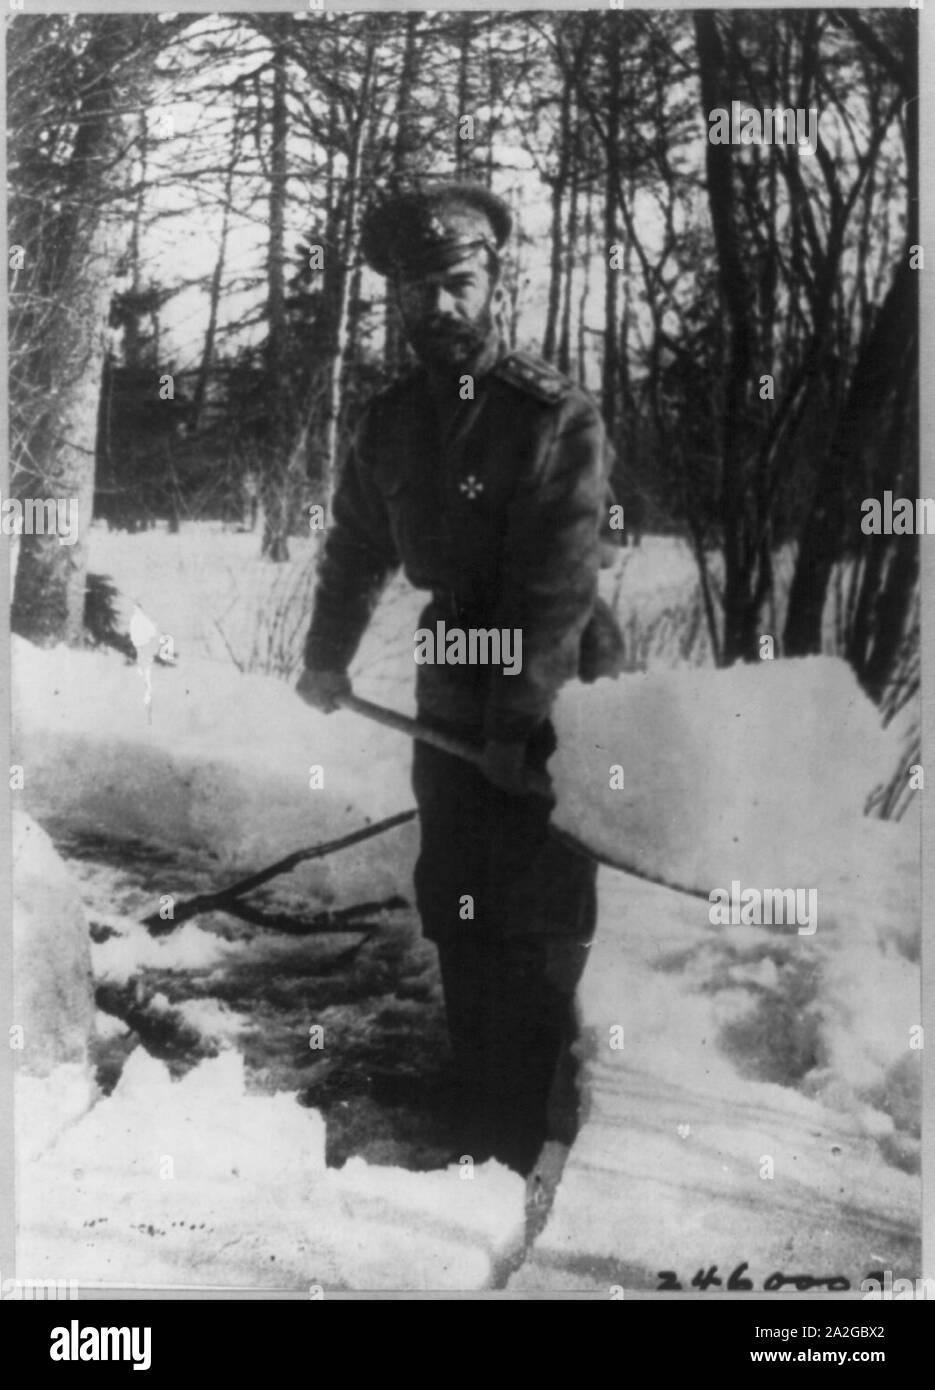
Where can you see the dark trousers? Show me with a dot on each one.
(512, 912)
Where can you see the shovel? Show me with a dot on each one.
(537, 783)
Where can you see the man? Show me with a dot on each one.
(485, 474)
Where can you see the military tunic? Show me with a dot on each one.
(496, 505)
(501, 520)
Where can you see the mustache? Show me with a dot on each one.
(449, 328)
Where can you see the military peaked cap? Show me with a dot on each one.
(419, 232)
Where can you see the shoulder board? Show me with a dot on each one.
(534, 376)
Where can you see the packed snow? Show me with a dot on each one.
(720, 775)
(196, 1182)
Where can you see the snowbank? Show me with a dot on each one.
(758, 773)
(53, 992)
(197, 1182)
(738, 774)
(223, 770)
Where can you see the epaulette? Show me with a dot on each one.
(531, 374)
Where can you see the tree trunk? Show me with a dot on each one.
(217, 280)
(359, 137)
(49, 592)
(493, 100)
(556, 259)
(404, 163)
(735, 292)
(276, 482)
(610, 366)
(131, 332)
(462, 147)
(585, 290)
(563, 358)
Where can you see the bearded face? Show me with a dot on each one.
(449, 315)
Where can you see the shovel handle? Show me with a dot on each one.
(536, 782)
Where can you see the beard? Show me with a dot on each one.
(450, 342)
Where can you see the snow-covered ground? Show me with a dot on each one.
(741, 1043)
(752, 1095)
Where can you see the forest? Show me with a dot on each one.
(193, 330)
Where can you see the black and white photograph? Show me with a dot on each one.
(465, 538)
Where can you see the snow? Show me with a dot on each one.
(131, 948)
(107, 1026)
(52, 985)
(168, 1182)
(736, 774)
(745, 1116)
(45, 1105)
(740, 1042)
(727, 774)
(207, 1017)
(222, 771)
(53, 992)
